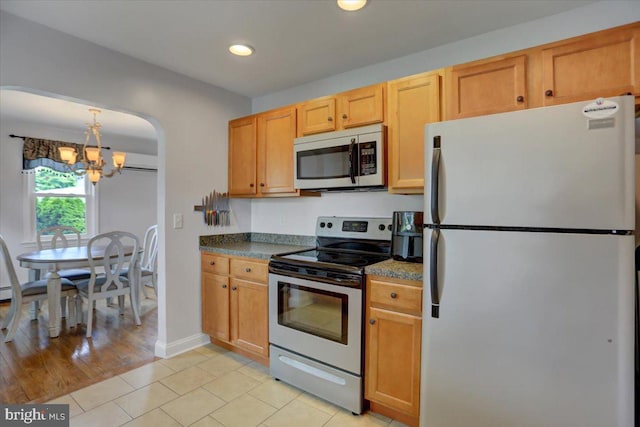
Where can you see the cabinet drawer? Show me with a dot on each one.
(249, 270)
(395, 296)
(214, 264)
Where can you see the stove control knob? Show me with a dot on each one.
(381, 227)
(329, 225)
(389, 227)
(322, 224)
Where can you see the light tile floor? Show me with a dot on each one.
(206, 387)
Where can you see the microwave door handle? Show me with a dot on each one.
(352, 161)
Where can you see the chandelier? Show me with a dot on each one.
(91, 162)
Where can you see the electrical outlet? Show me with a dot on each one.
(177, 221)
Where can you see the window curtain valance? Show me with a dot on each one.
(44, 152)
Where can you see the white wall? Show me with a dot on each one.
(298, 216)
(191, 120)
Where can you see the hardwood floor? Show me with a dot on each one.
(35, 368)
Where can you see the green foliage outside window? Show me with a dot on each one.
(48, 179)
(59, 210)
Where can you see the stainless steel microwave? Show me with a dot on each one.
(347, 159)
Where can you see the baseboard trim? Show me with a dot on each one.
(167, 350)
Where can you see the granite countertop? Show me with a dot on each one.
(397, 269)
(255, 245)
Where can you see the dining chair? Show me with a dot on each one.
(107, 280)
(61, 235)
(149, 261)
(31, 291)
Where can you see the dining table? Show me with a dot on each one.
(55, 260)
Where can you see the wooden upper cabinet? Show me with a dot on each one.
(276, 131)
(318, 115)
(599, 65)
(486, 87)
(412, 102)
(242, 156)
(357, 107)
(360, 107)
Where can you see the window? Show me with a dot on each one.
(57, 198)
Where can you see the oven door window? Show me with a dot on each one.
(313, 311)
(324, 163)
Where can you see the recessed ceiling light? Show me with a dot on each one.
(351, 5)
(241, 49)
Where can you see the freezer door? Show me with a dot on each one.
(549, 167)
(534, 329)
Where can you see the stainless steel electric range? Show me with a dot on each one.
(316, 310)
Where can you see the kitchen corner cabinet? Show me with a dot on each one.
(587, 67)
(393, 345)
(496, 85)
(261, 154)
(235, 303)
(412, 102)
(357, 107)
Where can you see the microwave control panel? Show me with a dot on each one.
(368, 164)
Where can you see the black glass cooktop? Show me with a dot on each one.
(341, 257)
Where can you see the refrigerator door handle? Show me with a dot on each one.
(433, 274)
(435, 174)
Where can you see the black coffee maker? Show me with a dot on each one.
(406, 236)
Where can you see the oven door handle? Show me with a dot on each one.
(352, 160)
(348, 283)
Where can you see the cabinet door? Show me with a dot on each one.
(592, 67)
(249, 316)
(276, 131)
(317, 116)
(392, 371)
(481, 88)
(242, 156)
(215, 306)
(363, 106)
(413, 102)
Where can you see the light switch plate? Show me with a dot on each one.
(177, 220)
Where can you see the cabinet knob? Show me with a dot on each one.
(251, 185)
(212, 263)
(520, 98)
(372, 321)
(394, 295)
(329, 119)
(224, 286)
(233, 288)
(248, 270)
(548, 93)
(344, 116)
(262, 184)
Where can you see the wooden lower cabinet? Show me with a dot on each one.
(215, 306)
(249, 316)
(235, 304)
(393, 347)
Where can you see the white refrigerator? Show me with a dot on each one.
(528, 308)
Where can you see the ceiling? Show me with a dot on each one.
(70, 116)
(295, 41)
